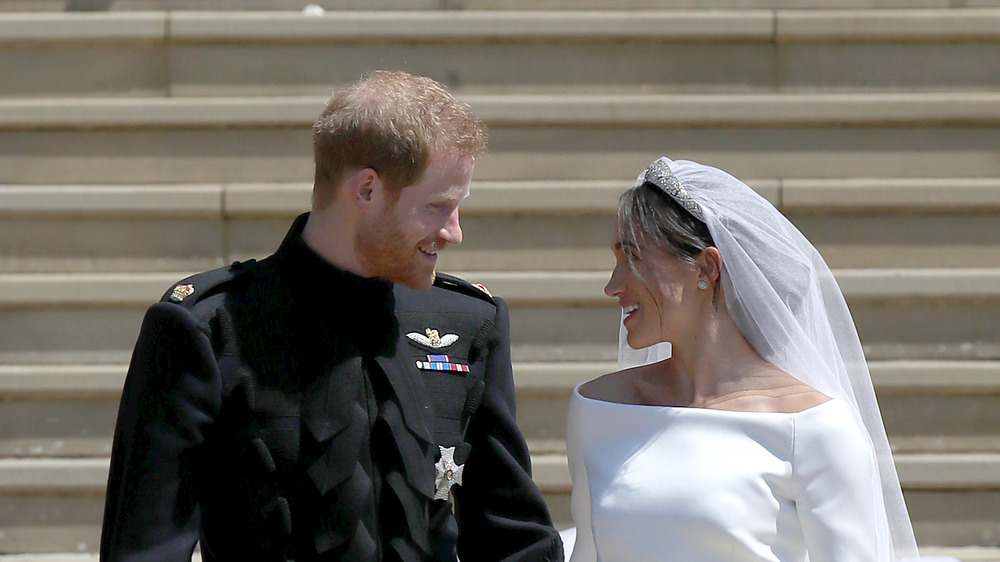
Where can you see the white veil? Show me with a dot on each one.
(787, 303)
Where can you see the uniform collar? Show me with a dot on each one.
(364, 304)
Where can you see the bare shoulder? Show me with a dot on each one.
(770, 390)
(601, 388)
(613, 387)
(789, 394)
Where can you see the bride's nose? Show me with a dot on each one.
(615, 285)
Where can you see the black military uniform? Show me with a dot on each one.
(289, 410)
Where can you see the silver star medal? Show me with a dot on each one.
(448, 473)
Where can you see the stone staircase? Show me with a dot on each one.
(141, 140)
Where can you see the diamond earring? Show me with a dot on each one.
(702, 285)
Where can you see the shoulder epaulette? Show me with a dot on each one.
(192, 289)
(460, 285)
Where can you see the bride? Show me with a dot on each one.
(754, 435)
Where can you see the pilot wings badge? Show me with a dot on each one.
(432, 339)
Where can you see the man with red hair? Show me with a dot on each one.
(338, 400)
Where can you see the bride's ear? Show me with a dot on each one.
(710, 266)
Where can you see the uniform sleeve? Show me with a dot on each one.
(833, 472)
(584, 549)
(171, 395)
(500, 511)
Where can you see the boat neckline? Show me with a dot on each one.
(576, 391)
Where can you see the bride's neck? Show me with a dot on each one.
(712, 363)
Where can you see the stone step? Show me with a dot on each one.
(52, 411)
(556, 316)
(731, 110)
(37, 6)
(183, 53)
(54, 505)
(51, 505)
(717, 4)
(509, 225)
(350, 5)
(533, 137)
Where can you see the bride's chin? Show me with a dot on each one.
(635, 342)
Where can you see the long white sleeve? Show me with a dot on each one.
(832, 483)
(584, 549)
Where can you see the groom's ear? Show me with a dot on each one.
(364, 188)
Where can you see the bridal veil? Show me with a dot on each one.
(786, 302)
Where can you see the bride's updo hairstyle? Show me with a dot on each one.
(648, 217)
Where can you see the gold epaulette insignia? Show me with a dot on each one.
(483, 288)
(182, 292)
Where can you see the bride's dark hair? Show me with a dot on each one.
(649, 218)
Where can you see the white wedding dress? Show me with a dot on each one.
(656, 483)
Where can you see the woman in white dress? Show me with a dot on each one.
(754, 435)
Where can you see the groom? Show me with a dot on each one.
(337, 400)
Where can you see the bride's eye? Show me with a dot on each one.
(631, 252)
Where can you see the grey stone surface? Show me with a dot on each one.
(103, 69)
(57, 428)
(47, 382)
(46, 523)
(51, 27)
(104, 244)
(236, 53)
(163, 5)
(714, 4)
(955, 518)
(903, 240)
(476, 25)
(68, 335)
(542, 152)
(111, 202)
(155, 156)
(899, 25)
(527, 66)
(297, 5)
(887, 65)
(889, 196)
(554, 152)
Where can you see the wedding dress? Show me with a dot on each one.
(655, 483)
